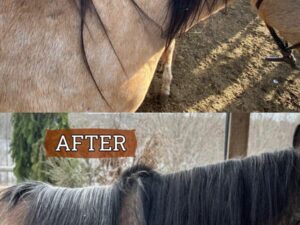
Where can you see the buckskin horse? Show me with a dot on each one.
(87, 55)
(282, 17)
(256, 190)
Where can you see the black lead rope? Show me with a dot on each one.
(281, 44)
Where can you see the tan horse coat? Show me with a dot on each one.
(41, 64)
(282, 15)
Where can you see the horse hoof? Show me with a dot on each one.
(163, 99)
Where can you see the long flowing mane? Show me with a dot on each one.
(253, 191)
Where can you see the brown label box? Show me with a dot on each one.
(90, 143)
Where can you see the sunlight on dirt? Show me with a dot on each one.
(219, 66)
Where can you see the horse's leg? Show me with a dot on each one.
(163, 60)
(287, 53)
(167, 76)
(161, 64)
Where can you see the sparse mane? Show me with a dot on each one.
(183, 13)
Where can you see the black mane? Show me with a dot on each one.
(253, 191)
(183, 13)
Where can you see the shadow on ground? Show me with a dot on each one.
(220, 66)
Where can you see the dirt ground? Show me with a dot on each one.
(219, 66)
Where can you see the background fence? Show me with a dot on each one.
(177, 141)
(6, 164)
